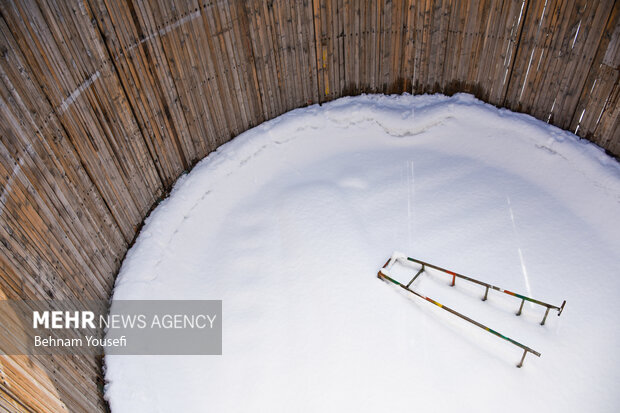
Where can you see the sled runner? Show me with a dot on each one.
(384, 274)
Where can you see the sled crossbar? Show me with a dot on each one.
(384, 275)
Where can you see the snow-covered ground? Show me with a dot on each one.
(289, 223)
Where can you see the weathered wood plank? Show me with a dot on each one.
(104, 103)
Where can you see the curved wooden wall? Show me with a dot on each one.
(104, 103)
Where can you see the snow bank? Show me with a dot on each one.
(289, 223)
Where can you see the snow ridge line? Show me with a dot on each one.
(396, 120)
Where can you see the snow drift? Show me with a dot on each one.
(289, 223)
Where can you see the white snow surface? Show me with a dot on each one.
(290, 222)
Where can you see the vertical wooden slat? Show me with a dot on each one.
(103, 103)
(597, 113)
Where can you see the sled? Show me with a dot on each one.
(384, 274)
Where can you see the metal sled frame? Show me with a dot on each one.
(397, 257)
